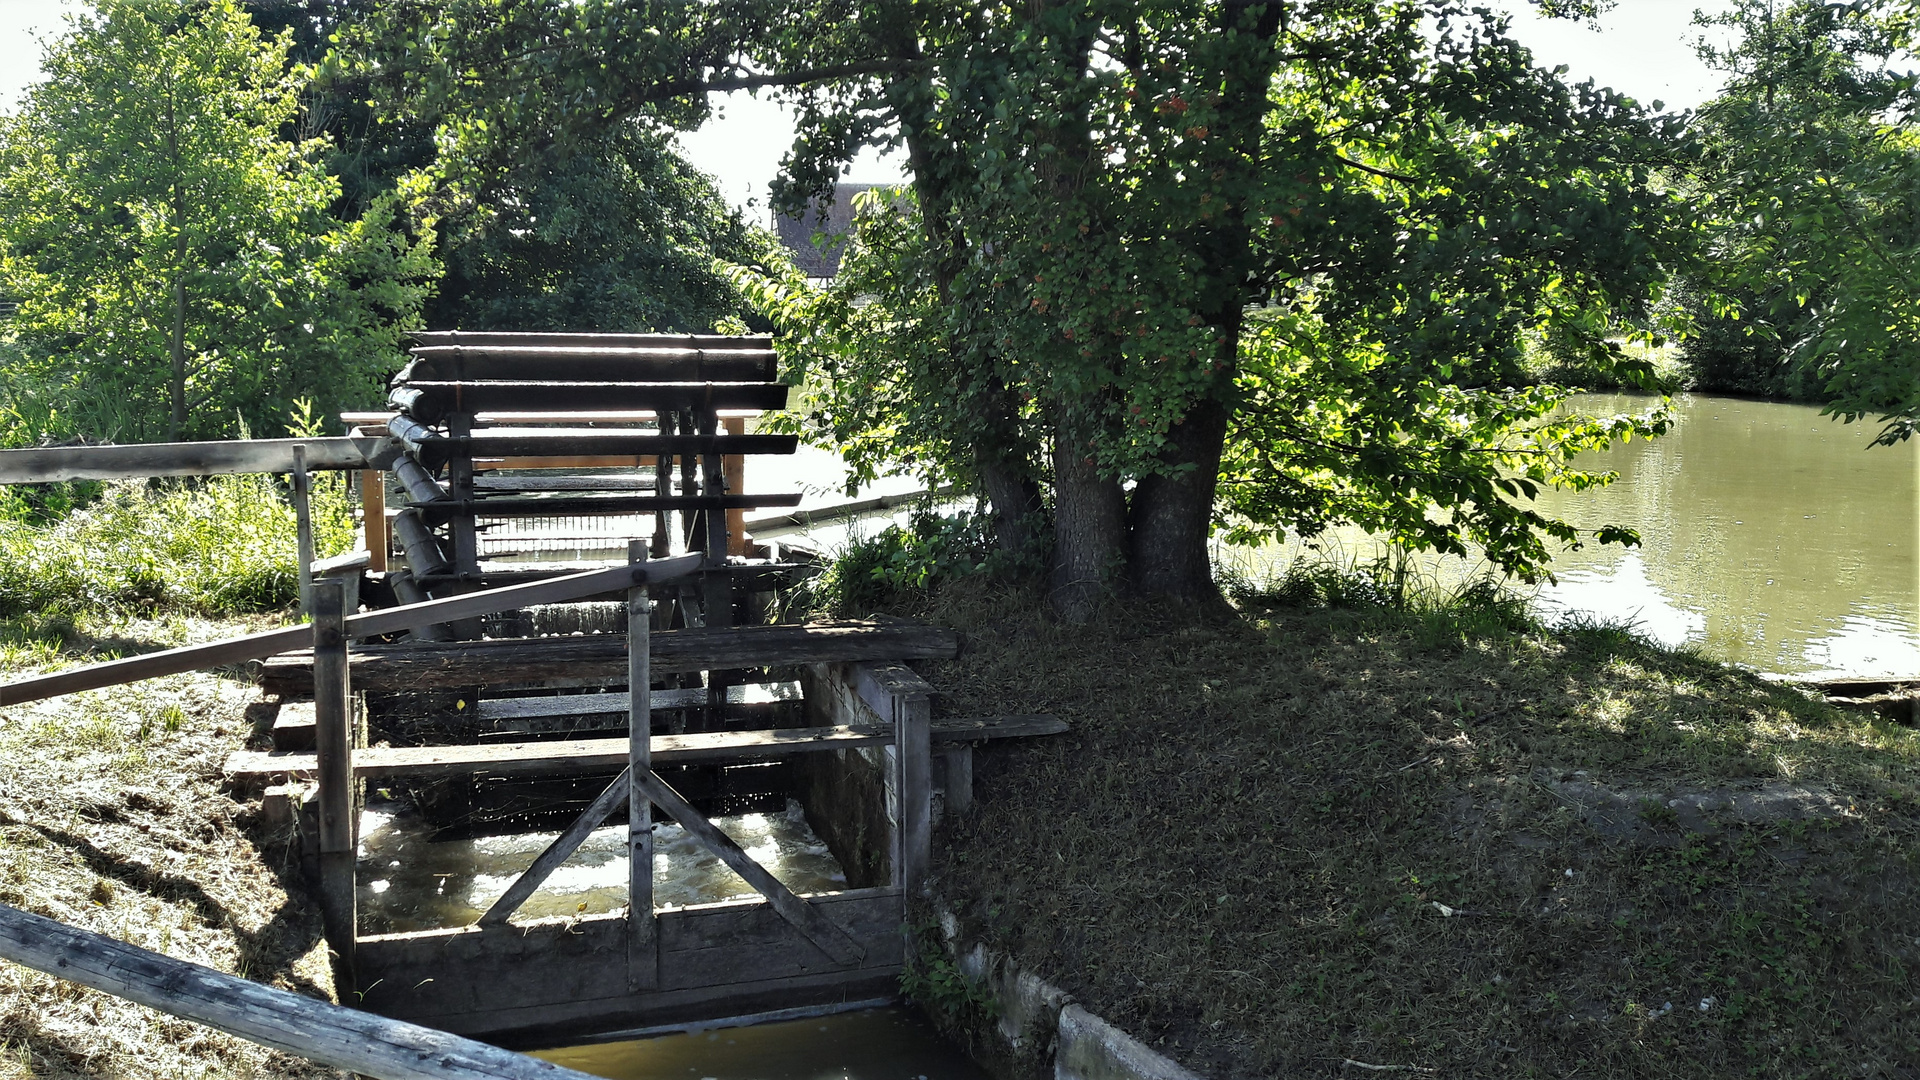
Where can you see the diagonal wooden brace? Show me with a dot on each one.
(557, 852)
(804, 917)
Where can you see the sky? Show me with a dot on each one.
(1643, 48)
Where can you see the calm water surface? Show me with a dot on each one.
(873, 1044)
(1771, 536)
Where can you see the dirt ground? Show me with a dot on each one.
(112, 819)
(1316, 839)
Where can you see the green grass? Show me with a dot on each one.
(217, 547)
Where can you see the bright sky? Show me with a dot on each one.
(1643, 48)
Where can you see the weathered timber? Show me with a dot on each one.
(537, 982)
(521, 483)
(373, 518)
(802, 518)
(48, 464)
(431, 338)
(585, 755)
(430, 402)
(643, 946)
(559, 851)
(367, 624)
(827, 935)
(601, 659)
(900, 695)
(527, 708)
(435, 450)
(341, 1038)
(508, 506)
(535, 361)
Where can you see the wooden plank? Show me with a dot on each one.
(735, 468)
(333, 746)
(373, 518)
(560, 756)
(601, 659)
(558, 852)
(383, 621)
(600, 482)
(596, 704)
(429, 338)
(510, 506)
(579, 443)
(596, 361)
(429, 402)
(800, 519)
(819, 929)
(320, 1031)
(47, 464)
(582, 755)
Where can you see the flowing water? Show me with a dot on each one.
(1771, 536)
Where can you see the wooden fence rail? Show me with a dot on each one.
(316, 1030)
(42, 465)
(383, 621)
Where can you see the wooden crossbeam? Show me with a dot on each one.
(557, 852)
(580, 755)
(383, 621)
(42, 465)
(429, 401)
(802, 916)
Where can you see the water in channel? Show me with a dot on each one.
(872, 1044)
(1771, 536)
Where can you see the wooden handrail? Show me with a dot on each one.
(367, 624)
(40, 465)
(319, 1031)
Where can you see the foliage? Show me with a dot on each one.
(1812, 177)
(617, 234)
(931, 551)
(221, 546)
(175, 259)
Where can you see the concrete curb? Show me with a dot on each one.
(1036, 1016)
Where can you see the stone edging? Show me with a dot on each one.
(1037, 1017)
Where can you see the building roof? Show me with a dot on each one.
(797, 232)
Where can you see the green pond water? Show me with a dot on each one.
(1771, 536)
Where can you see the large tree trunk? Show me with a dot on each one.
(1171, 514)
(1089, 520)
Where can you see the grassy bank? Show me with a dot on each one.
(1448, 841)
(112, 819)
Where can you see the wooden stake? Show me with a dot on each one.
(303, 518)
(643, 971)
(333, 747)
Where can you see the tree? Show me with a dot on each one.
(1810, 171)
(1152, 246)
(175, 260)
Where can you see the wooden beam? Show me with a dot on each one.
(430, 338)
(47, 464)
(557, 852)
(319, 1031)
(430, 401)
(333, 757)
(584, 755)
(527, 708)
(529, 360)
(643, 942)
(601, 659)
(512, 506)
(368, 624)
(822, 931)
(373, 517)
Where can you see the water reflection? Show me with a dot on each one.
(873, 1044)
(410, 882)
(1771, 536)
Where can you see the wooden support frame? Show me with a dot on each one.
(905, 700)
(643, 942)
(333, 746)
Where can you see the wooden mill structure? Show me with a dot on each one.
(515, 465)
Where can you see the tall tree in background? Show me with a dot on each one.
(1810, 169)
(176, 261)
(1280, 249)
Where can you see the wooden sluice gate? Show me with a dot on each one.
(556, 595)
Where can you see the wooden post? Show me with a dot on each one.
(735, 468)
(303, 519)
(643, 972)
(373, 517)
(466, 541)
(320, 1031)
(333, 746)
(913, 745)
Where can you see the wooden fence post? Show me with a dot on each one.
(303, 521)
(644, 944)
(333, 746)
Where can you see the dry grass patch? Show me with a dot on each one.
(112, 819)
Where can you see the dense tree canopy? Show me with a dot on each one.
(175, 258)
(1810, 169)
(1154, 247)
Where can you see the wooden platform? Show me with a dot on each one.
(601, 659)
(252, 767)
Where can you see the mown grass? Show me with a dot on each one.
(1248, 847)
(113, 819)
(218, 547)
